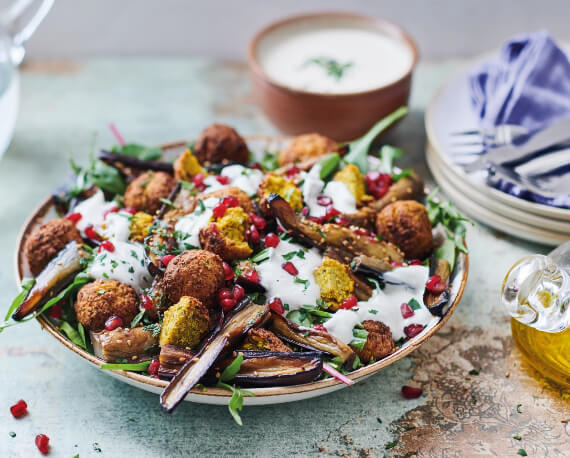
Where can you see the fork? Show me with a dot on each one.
(505, 134)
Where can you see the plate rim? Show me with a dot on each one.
(42, 209)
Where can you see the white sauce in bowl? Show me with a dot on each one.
(298, 55)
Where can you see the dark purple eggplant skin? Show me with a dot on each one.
(220, 343)
(438, 304)
(109, 157)
(310, 365)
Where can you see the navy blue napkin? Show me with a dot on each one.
(527, 85)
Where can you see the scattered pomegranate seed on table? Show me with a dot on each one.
(165, 260)
(410, 392)
(113, 322)
(74, 217)
(277, 305)
(272, 240)
(349, 302)
(406, 310)
(107, 245)
(290, 268)
(147, 302)
(153, 368)
(42, 443)
(19, 409)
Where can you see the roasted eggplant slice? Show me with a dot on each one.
(438, 303)
(406, 188)
(135, 163)
(220, 343)
(311, 338)
(120, 343)
(172, 358)
(347, 242)
(55, 276)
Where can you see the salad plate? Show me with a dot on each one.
(258, 145)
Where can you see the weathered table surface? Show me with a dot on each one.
(64, 106)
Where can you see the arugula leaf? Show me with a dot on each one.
(27, 285)
(358, 149)
(447, 252)
(328, 164)
(359, 340)
(136, 367)
(106, 177)
(269, 161)
(387, 155)
(72, 334)
(230, 372)
(145, 153)
(236, 401)
(452, 221)
(402, 174)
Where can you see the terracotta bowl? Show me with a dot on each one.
(342, 116)
(273, 395)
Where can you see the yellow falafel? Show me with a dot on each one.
(226, 237)
(334, 281)
(185, 323)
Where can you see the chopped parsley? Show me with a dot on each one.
(305, 283)
(521, 452)
(155, 328)
(359, 338)
(519, 408)
(332, 67)
(373, 311)
(292, 254)
(12, 434)
(517, 438)
(473, 372)
(320, 232)
(415, 305)
(131, 270)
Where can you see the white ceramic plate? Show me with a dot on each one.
(263, 396)
(450, 111)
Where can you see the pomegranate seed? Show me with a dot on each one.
(258, 221)
(113, 322)
(74, 217)
(165, 260)
(305, 211)
(314, 219)
(256, 166)
(396, 263)
(435, 285)
(277, 306)
(406, 310)
(272, 240)
(414, 262)
(349, 302)
(238, 293)
(223, 179)
(130, 210)
(292, 171)
(198, 180)
(342, 221)
(227, 304)
(331, 213)
(372, 177)
(220, 210)
(153, 368)
(55, 312)
(290, 268)
(224, 293)
(106, 245)
(42, 443)
(319, 327)
(214, 228)
(252, 276)
(114, 209)
(410, 392)
(360, 231)
(228, 271)
(91, 234)
(19, 409)
(253, 235)
(146, 302)
(324, 201)
(413, 330)
(230, 201)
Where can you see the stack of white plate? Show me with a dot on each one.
(450, 111)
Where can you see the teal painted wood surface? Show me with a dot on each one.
(66, 107)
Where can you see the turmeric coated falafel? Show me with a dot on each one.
(186, 166)
(47, 241)
(219, 143)
(145, 191)
(185, 323)
(226, 236)
(98, 301)
(196, 273)
(305, 147)
(260, 339)
(406, 224)
(379, 342)
(232, 191)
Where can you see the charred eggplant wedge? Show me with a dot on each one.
(135, 163)
(220, 343)
(119, 344)
(438, 302)
(171, 359)
(406, 188)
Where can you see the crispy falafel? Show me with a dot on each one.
(232, 191)
(145, 191)
(185, 323)
(47, 241)
(306, 146)
(219, 143)
(186, 166)
(379, 342)
(226, 237)
(406, 224)
(196, 273)
(101, 299)
(334, 281)
(263, 340)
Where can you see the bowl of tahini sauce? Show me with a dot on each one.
(333, 73)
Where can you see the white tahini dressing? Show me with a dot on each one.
(125, 264)
(385, 304)
(188, 227)
(241, 177)
(342, 198)
(92, 211)
(116, 226)
(364, 58)
(281, 284)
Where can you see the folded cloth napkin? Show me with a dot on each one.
(527, 85)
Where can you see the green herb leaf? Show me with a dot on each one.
(167, 202)
(189, 187)
(450, 218)
(106, 177)
(230, 372)
(358, 149)
(473, 372)
(333, 67)
(328, 164)
(305, 283)
(402, 174)
(137, 318)
(522, 452)
(260, 257)
(519, 408)
(415, 305)
(72, 334)
(447, 252)
(236, 402)
(269, 161)
(315, 311)
(27, 285)
(360, 337)
(300, 317)
(202, 207)
(517, 438)
(81, 332)
(145, 153)
(387, 156)
(154, 327)
(135, 367)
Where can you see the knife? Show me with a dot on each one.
(552, 135)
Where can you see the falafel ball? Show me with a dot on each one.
(101, 299)
(186, 166)
(145, 191)
(263, 340)
(379, 342)
(47, 241)
(185, 323)
(196, 273)
(219, 142)
(305, 147)
(226, 237)
(406, 224)
(233, 191)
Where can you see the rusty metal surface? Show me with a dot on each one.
(87, 413)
